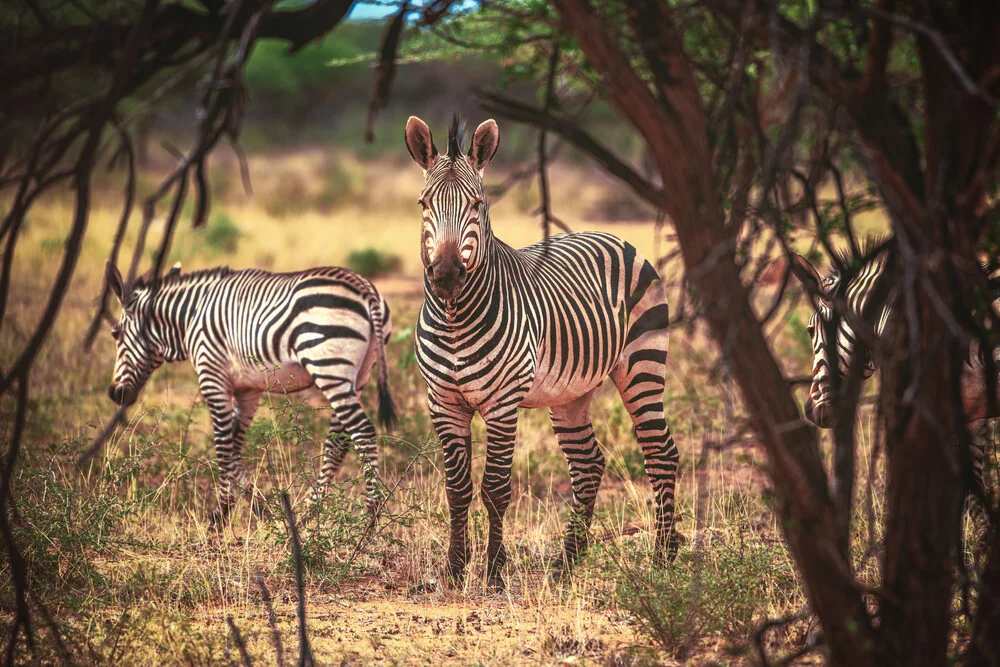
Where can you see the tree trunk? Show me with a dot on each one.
(924, 498)
(676, 132)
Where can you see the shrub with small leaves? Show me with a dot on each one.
(372, 263)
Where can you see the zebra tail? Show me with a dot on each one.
(387, 416)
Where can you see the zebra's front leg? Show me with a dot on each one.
(452, 424)
(575, 433)
(501, 434)
(220, 406)
(246, 403)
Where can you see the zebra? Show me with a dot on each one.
(502, 329)
(248, 332)
(862, 284)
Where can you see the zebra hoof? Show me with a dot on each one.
(667, 555)
(454, 577)
(260, 510)
(217, 522)
(559, 569)
(496, 583)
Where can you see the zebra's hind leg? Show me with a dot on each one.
(575, 433)
(640, 381)
(352, 421)
(334, 450)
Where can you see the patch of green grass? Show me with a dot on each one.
(373, 263)
(221, 236)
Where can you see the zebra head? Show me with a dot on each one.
(853, 285)
(137, 355)
(455, 228)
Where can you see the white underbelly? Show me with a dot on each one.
(286, 378)
(547, 392)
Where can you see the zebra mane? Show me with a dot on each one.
(456, 137)
(870, 248)
(180, 278)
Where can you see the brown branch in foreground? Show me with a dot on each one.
(265, 595)
(305, 651)
(240, 644)
(125, 148)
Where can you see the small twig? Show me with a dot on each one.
(939, 41)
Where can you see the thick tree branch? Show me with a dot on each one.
(570, 131)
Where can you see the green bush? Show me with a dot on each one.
(372, 263)
(727, 591)
(221, 235)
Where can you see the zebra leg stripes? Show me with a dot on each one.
(575, 433)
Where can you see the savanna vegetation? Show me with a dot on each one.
(717, 137)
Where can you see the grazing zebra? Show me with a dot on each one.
(249, 332)
(857, 286)
(502, 329)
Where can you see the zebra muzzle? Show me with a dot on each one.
(122, 396)
(447, 275)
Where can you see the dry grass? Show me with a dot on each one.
(122, 554)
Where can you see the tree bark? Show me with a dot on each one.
(674, 124)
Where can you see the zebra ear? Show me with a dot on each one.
(420, 143)
(806, 273)
(114, 279)
(485, 143)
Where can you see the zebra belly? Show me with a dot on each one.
(547, 391)
(289, 377)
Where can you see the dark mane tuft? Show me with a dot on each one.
(870, 247)
(456, 137)
(181, 278)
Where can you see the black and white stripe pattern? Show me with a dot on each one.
(856, 286)
(503, 329)
(250, 332)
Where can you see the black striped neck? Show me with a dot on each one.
(168, 311)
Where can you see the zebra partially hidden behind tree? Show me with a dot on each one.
(863, 289)
(502, 329)
(249, 332)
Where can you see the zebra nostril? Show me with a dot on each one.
(433, 266)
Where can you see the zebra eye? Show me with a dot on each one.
(116, 332)
(810, 329)
(477, 204)
(423, 204)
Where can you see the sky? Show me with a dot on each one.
(364, 11)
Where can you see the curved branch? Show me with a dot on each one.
(571, 132)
